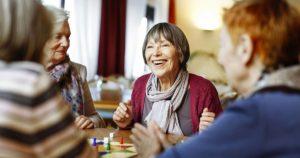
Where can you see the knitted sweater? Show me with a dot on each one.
(202, 95)
(34, 119)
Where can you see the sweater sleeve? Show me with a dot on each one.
(212, 101)
(89, 109)
(238, 132)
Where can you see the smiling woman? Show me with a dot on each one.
(70, 76)
(170, 96)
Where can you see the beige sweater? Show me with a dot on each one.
(89, 109)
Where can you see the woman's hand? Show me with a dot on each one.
(123, 115)
(149, 142)
(83, 122)
(206, 119)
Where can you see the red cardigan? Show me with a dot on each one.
(202, 94)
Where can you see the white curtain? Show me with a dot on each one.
(85, 18)
(136, 29)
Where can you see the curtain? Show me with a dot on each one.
(112, 38)
(172, 12)
(84, 41)
(137, 26)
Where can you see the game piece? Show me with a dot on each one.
(94, 142)
(106, 143)
(111, 136)
(122, 141)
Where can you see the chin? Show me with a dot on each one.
(159, 74)
(58, 60)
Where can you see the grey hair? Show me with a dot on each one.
(60, 15)
(173, 34)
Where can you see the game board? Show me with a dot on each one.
(116, 150)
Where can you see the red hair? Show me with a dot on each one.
(274, 27)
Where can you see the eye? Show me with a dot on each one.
(149, 47)
(57, 36)
(165, 45)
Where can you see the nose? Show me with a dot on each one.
(157, 51)
(65, 42)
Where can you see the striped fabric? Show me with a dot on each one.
(34, 120)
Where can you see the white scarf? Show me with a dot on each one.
(166, 103)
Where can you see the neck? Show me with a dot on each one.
(167, 81)
(247, 86)
(49, 66)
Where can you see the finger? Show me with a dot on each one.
(209, 114)
(78, 118)
(119, 113)
(116, 117)
(207, 119)
(80, 121)
(202, 128)
(122, 111)
(90, 125)
(136, 134)
(160, 135)
(155, 126)
(205, 110)
(164, 141)
(85, 123)
(123, 106)
(139, 134)
(205, 123)
(135, 141)
(125, 109)
(141, 128)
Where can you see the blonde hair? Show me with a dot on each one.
(24, 29)
(274, 27)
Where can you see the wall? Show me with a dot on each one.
(200, 40)
(186, 14)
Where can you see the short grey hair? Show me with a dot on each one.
(173, 34)
(60, 15)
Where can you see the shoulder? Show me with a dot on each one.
(32, 77)
(141, 81)
(81, 69)
(139, 86)
(263, 104)
(198, 82)
(277, 101)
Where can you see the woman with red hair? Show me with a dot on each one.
(259, 51)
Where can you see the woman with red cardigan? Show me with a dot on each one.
(181, 103)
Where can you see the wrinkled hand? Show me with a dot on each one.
(206, 119)
(83, 122)
(123, 115)
(149, 141)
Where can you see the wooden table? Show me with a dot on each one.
(118, 134)
(106, 105)
(100, 133)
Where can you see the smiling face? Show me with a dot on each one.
(57, 46)
(162, 58)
